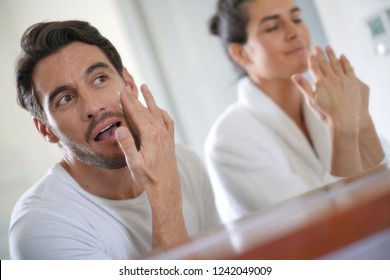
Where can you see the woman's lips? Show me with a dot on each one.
(300, 49)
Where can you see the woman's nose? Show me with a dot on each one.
(292, 30)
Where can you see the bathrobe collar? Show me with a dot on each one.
(266, 110)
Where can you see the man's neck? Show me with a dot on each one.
(115, 184)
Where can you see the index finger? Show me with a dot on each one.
(137, 116)
(334, 62)
(314, 68)
(323, 63)
(150, 102)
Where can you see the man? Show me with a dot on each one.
(122, 188)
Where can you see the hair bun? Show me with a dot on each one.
(214, 25)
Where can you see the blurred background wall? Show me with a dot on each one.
(165, 44)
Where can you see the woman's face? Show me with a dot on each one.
(278, 42)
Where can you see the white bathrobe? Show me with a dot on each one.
(256, 155)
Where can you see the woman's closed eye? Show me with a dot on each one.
(272, 28)
(297, 20)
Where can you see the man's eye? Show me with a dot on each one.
(99, 80)
(65, 99)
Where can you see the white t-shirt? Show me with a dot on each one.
(57, 219)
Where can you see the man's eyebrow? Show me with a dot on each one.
(95, 66)
(271, 17)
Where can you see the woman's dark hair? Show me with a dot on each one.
(43, 39)
(229, 23)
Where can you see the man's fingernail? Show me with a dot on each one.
(121, 133)
(128, 89)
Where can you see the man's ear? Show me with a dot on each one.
(239, 55)
(45, 131)
(129, 80)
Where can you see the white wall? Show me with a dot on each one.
(25, 157)
(344, 24)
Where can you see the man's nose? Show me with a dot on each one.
(93, 106)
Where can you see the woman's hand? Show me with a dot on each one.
(336, 98)
(335, 95)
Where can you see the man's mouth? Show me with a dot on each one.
(107, 132)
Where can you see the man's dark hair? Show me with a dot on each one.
(43, 39)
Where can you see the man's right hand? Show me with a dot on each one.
(153, 165)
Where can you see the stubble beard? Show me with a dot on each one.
(115, 160)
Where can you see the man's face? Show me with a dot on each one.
(79, 91)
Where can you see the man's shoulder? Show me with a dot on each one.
(49, 192)
(55, 176)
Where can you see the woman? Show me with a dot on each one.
(272, 145)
